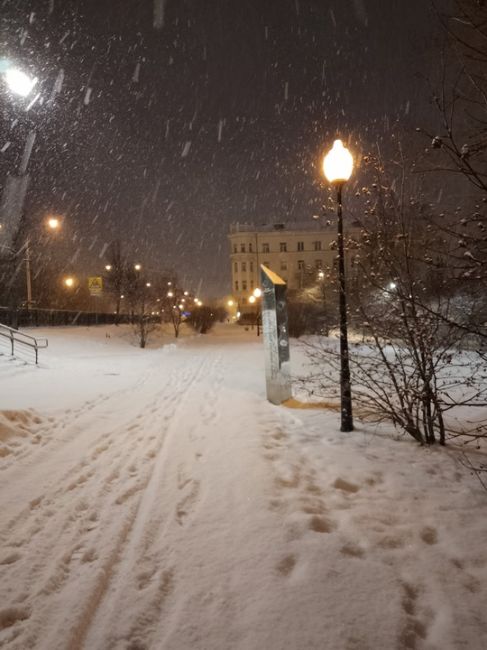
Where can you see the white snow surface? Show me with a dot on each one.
(154, 499)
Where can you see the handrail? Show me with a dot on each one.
(18, 337)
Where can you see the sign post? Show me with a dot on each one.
(95, 286)
(276, 337)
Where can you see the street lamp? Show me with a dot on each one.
(257, 293)
(108, 267)
(19, 82)
(337, 167)
(137, 267)
(53, 223)
(69, 282)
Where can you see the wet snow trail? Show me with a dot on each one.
(88, 490)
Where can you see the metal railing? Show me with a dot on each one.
(20, 339)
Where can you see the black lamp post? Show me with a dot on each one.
(337, 167)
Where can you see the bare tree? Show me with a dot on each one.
(141, 303)
(415, 368)
(116, 275)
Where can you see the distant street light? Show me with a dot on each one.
(137, 267)
(147, 284)
(257, 293)
(108, 267)
(69, 282)
(53, 223)
(230, 303)
(338, 167)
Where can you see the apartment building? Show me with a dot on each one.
(291, 250)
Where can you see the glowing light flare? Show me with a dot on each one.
(252, 299)
(137, 267)
(338, 163)
(19, 82)
(108, 267)
(257, 292)
(69, 282)
(53, 223)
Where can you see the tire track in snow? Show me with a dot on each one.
(74, 520)
(145, 566)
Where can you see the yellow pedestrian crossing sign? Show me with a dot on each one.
(95, 285)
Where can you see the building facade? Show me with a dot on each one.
(291, 250)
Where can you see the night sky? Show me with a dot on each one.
(176, 118)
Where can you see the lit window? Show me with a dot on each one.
(300, 245)
(283, 247)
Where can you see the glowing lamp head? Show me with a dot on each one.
(257, 292)
(69, 282)
(108, 267)
(338, 163)
(137, 267)
(230, 303)
(252, 300)
(53, 223)
(19, 82)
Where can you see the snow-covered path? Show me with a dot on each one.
(175, 508)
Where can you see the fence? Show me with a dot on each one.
(48, 317)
